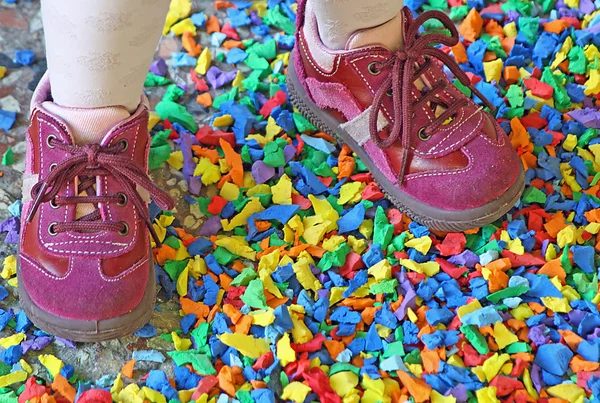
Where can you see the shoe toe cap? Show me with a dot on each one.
(84, 292)
(493, 169)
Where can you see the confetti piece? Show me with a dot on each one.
(7, 120)
(24, 57)
(12, 378)
(52, 364)
(554, 358)
(245, 344)
(148, 355)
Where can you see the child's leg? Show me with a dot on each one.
(86, 220)
(99, 50)
(98, 55)
(339, 19)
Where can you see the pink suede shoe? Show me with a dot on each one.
(439, 157)
(87, 275)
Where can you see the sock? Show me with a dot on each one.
(338, 20)
(99, 51)
(88, 125)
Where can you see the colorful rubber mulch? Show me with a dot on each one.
(305, 285)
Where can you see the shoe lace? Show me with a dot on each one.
(406, 68)
(88, 162)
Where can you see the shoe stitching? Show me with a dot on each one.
(498, 144)
(42, 166)
(125, 273)
(501, 136)
(450, 130)
(38, 267)
(433, 152)
(84, 241)
(43, 208)
(48, 245)
(315, 66)
(442, 173)
(425, 109)
(133, 155)
(353, 62)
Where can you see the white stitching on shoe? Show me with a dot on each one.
(450, 130)
(336, 62)
(453, 172)
(129, 271)
(432, 151)
(502, 137)
(353, 62)
(84, 241)
(425, 109)
(66, 213)
(493, 143)
(106, 181)
(37, 266)
(125, 273)
(86, 237)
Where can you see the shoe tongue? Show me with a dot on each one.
(388, 35)
(88, 125)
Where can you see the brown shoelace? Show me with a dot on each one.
(406, 68)
(88, 162)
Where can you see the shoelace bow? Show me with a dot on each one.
(87, 162)
(399, 83)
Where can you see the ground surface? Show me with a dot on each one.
(508, 309)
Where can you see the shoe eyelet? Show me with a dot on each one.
(123, 198)
(124, 144)
(373, 69)
(389, 92)
(49, 140)
(125, 229)
(422, 135)
(51, 229)
(53, 166)
(53, 203)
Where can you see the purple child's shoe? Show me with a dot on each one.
(439, 157)
(86, 266)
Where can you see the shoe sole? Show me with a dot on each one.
(434, 218)
(91, 330)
